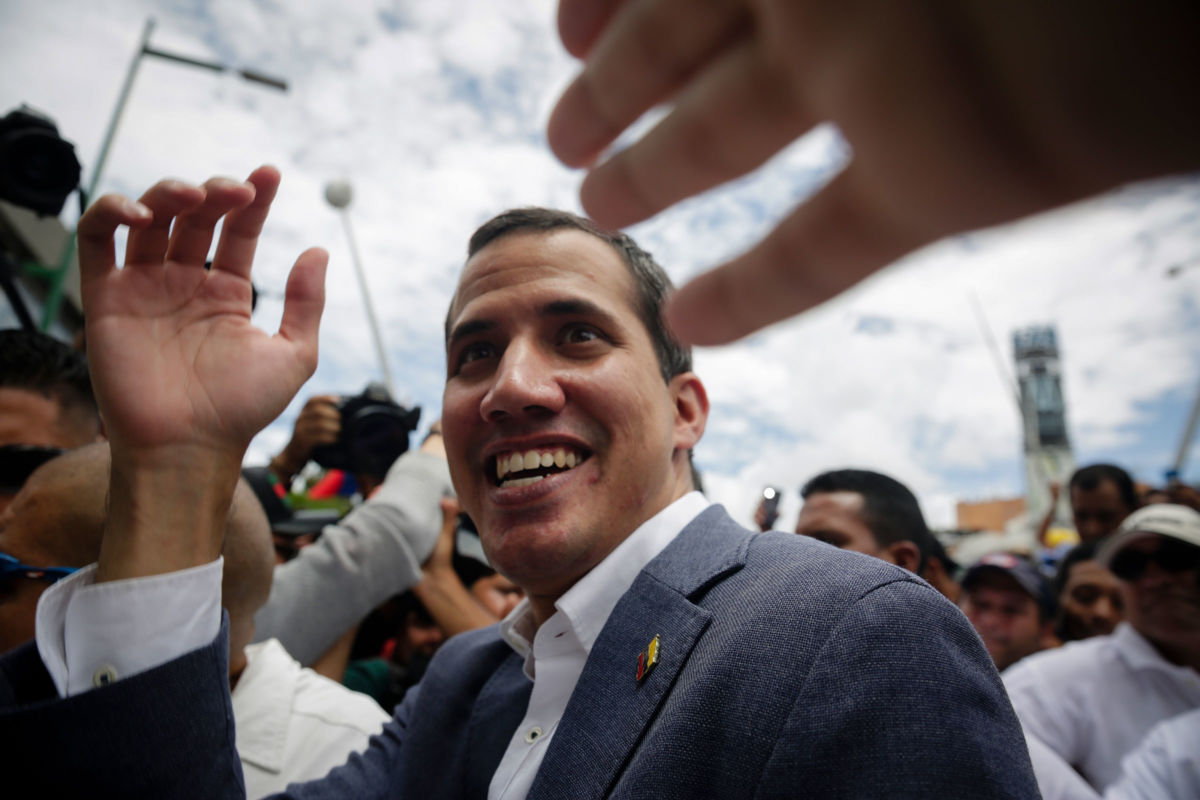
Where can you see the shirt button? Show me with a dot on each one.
(104, 675)
(533, 734)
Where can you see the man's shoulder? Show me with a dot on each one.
(747, 583)
(784, 564)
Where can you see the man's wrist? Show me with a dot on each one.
(167, 510)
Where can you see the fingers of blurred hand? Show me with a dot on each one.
(303, 302)
(449, 515)
(822, 248)
(239, 236)
(193, 231)
(581, 21)
(734, 117)
(97, 255)
(646, 52)
(147, 245)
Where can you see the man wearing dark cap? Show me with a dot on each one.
(1011, 606)
(1094, 701)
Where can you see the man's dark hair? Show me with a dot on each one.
(1077, 555)
(1090, 477)
(650, 281)
(37, 362)
(889, 509)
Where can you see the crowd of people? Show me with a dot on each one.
(159, 642)
(1095, 655)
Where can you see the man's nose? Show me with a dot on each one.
(525, 381)
(1106, 608)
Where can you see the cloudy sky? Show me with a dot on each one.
(436, 112)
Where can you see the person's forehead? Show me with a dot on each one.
(28, 417)
(1144, 542)
(996, 581)
(848, 504)
(1089, 572)
(534, 264)
(1104, 491)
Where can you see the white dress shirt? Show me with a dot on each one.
(1166, 766)
(293, 724)
(1093, 701)
(91, 634)
(560, 647)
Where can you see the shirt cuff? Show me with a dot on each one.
(90, 634)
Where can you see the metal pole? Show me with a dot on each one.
(1186, 441)
(366, 296)
(111, 133)
(54, 296)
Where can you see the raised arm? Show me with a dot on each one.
(182, 377)
(959, 114)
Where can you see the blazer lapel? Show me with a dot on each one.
(611, 709)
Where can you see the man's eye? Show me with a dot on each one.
(580, 334)
(476, 351)
(1086, 594)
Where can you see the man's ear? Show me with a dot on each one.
(691, 409)
(905, 554)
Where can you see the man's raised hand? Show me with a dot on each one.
(182, 377)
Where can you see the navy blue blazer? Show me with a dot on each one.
(787, 668)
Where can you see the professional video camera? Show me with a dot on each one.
(375, 430)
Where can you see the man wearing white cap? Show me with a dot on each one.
(1093, 701)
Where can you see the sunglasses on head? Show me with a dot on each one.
(12, 568)
(1171, 555)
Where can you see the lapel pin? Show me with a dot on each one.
(647, 659)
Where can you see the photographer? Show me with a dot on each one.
(377, 549)
(319, 423)
(362, 435)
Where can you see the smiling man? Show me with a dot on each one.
(662, 651)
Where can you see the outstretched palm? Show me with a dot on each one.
(175, 359)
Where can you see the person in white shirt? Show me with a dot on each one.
(1094, 701)
(292, 724)
(1166, 766)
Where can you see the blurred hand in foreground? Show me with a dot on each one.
(960, 114)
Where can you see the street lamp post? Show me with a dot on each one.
(340, 194)
(54, 296)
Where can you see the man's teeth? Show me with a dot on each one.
(513, 463)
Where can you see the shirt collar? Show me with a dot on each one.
(1139, 652)
(586, 605)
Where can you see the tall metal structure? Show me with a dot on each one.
(1048, 455)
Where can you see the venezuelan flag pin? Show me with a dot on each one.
(647, 659)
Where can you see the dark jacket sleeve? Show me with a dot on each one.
(903, 696)
(167, 732)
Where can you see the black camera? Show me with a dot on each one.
(38, 168)
(375, 431)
